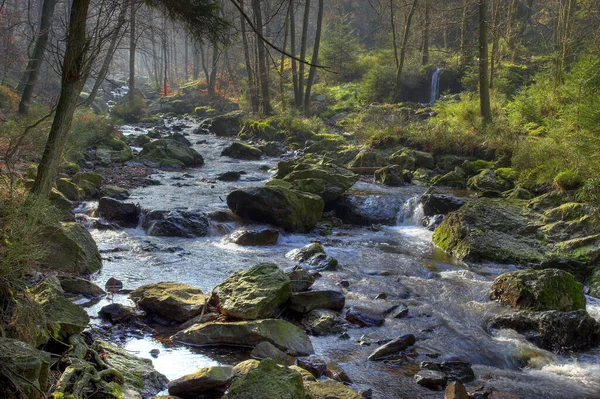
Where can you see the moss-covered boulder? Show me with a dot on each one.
(242, 151)
(254, 293)
(70, 190)
(594, 282)
(284, 335)
(59, 200)
(291, 209)
(327, 180)
(23, 370)
(63, 318)
(489, 180)
(205, 380)
(115, 192)
(455, 178)
(404, 159)
(107, 155)
(170, 153)
(78, 285)
(324, 322)
(227, 125)
(367, 158)
(393, 176)
(70, 248)
(331, 390)
(488, 229)
(91, 177)
(174, 302)
(540, 290)
(31, 171)
(138, 373)
(268, 381)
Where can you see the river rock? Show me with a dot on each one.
(70, 248)
(393, 176)
(337, 373)
(455, 370)
(229, 176)
(455, 178)
(70, 190)
(431, 379)
(176, 223)
(397, 312)
(63, 317)
(440, 204)
(113, 285)
(139, 373)
(364, 318)
(27, 365)
(321, 322)
(170, 153)
(365, 210)
(174, 302)
(456, 390)
(314, 365)
(284, 335)
(216, 378)
(227, 125)
(254, 293)
(393, 347)
(291, 209)
(266, 350)
(242, 368)
(367, 158)
(254, 237)
(116, 313)
(327, 180)
(78, 285)
(115, 192)
(242, 151)
(305, 253)
(118, 211)
(331, 390)
(93, 178)
(488, 180)
(301, 279)
(540, 290)
(268, 381)
(553, 330)
(489, 229)
(304, 302)
(180, 138)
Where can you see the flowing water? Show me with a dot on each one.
(435, 86)
(447, 299)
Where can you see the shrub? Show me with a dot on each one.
(378, 83)
(568, 180)
(87, 129)
(590, 192)
(131, 112)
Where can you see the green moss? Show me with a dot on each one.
(507, 174)
(478, 165)
(568, 180)
(268, 381)
(69, 168)
(70, 189)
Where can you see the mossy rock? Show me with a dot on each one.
(115, 143)
(475, 167)
(268, 381)
(107, 155)
(78, 285)
(115, 192)
(570, 211)
(254, 293)
(171, 153)
(367, 158)
(29, 369)
(94, 178)
(291, 209)
(89, 189)
(204, 380)
(488, 180)
(242, 151)
(323, 143)
(539, 290)
(70, 248)
(242, 368)
(170, 301)
(70, 168)
(70, 190)
(63, 317)
(31, 172)
(594, 282)
(455, 178)
(59, 200)
(405, 159)
(331, 390)
(227, 125)
(487, 229)
(393, 176)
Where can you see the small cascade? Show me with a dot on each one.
(411, 213)
(435, 86)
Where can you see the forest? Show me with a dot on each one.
(339, 199)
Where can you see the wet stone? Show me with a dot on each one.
(266, 350)
(393, 347)
(336, 372)
(363, 317)
(301, 279)
(435, 380)
(313, 364)
(397, 312)
(455, 370)
(456, 390)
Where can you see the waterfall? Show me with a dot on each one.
(435, 85)
(411, 213)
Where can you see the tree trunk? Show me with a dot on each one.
(293, 51)
(165, 55)
(484, 84)
(411, 12)
(75, 68)
(315, 59)
(394, 34)
(464, 46)
(155, 60)
(425, 58)
(250, 75)
(263, 78)
(495, 39)
(132, 49)
(212, 82)
(196, 67)
(186, 59)
(32, 72)
(282, 64)
(303, 45)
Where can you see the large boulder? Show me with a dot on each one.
(70, 190)
(227, 125)
(70, 248)
(170, 301)
(203, 381)
(138, 373)
(107, 155)
(115, 192)
(171, 153)
(553, 330)
(393, 176)
(284, 335)
(268, 381)
(366, 210)
(312, 257)
(488, 229)
(367, 158)
(291, 209)
(440, 204)
(242, 151)
(304, 302)
(254, 293)
(79, 286)
(176, 223)
(90, 177)
(254, 237)
(63, 318)
(549, 289)
(327, 180)
(489, 180)
(114, 210)
(25, 367)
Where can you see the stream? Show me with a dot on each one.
(447, 299)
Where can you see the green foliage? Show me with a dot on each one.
(340, 50)
(377, 83)
(568, 180)
(87, 129)
(590, 192)
(130, 112)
